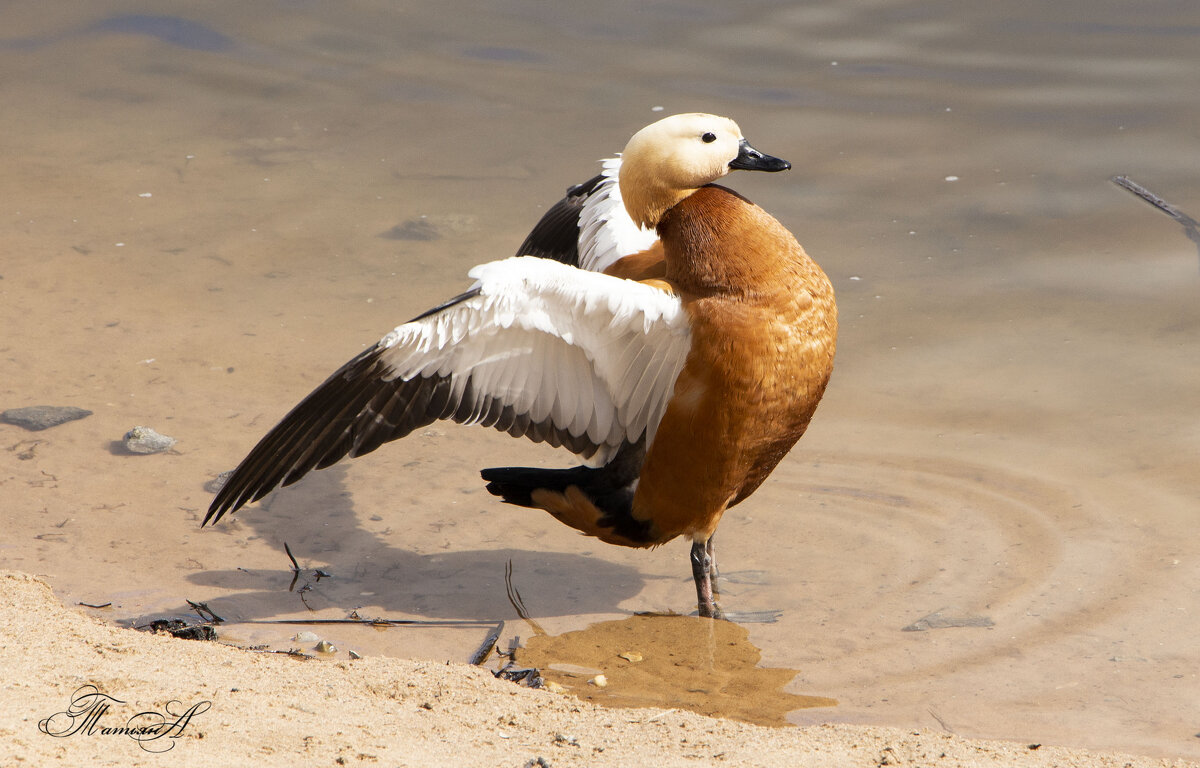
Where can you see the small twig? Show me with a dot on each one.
(1129, 184)
(295, 653)
(318, 573)
(1191, 228)
(303, 599)
(514, 597)
(89, 605)
(295, 565)
(379, 622)
(652, 718)
(941, 722)
(202, 608)
(489, 642)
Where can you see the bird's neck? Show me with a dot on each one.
(717, 242)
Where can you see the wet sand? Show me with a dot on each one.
(197, 232)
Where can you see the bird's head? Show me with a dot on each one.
(668, 160)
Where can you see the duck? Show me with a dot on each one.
(671, 334)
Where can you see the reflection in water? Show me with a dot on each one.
(684, 662)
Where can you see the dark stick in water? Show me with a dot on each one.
(1191, 227)
(489, 642)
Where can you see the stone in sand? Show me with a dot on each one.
(37, 417)
(946, 618)
(145, 440)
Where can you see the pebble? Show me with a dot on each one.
(413, 229)
(434, 227)
(599, 681)
(38, 417)
(218, 482)
(325, 647)
(305, 637)
(144, 440)
(948, 618)
(630, 656)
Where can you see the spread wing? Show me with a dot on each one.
(536, 349)
(589, 228)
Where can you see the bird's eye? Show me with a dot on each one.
(708, 138)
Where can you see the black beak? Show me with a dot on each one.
(750, 159)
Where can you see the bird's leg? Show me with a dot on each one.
(711, 550)
(704, 573)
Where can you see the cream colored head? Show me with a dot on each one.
(668, 160)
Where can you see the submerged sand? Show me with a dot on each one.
(241, 707)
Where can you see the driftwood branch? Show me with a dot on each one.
(1191, 228)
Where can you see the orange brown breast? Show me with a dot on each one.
(643, 265)
(764, 329)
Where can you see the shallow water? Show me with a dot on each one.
(207, 209)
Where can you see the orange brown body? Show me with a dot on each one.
(764, 328)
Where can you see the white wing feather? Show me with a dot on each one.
(606, 233)
(590, 353)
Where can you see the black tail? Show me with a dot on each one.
(609, 487)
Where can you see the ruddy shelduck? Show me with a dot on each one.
(664, 329)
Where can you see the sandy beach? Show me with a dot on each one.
(206, 702)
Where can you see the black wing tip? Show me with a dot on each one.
(222, 500)
(281, 457)
(220, 506)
